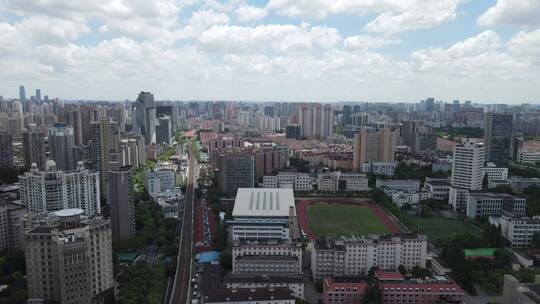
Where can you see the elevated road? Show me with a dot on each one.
(183, 266)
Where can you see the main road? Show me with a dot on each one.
(183, 264)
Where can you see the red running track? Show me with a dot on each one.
(303, 221)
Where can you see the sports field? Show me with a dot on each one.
(343, 219)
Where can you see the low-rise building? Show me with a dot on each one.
(493, 204)
(519, 229)
(293, 180)
(394, 289)
(438, 189)
(261, 214)
(402, 198)
(276, 258)
(158, 180)
(272, 295)
(294, 283)
(337, 181)
(495, 173)
(352, 256)
(412, 185)
(380, 168)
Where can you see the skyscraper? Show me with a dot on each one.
(316, 120)
(372, 145)
(38, 94)
(144, 117)
(69, 258)
(33, 146)
(468, 165)
(498, 129)
(53, 189)
(122, 201)
(6, 150)
(105, 147)
(61, 141)
(22, 93)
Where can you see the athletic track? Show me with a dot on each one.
(303, 221)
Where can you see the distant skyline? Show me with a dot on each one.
(273, 50)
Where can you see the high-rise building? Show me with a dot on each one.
(11, 224)
(61, 142)
(105, 148)
(122, 201)
(430, 104)
(52, 189)
(144, 117)
(316, 120)
(22, 93)
(236, 170)
(79, 117)
(372, 145)
(498, 128)
(34, 147)
(6, 150)
(293, 131)
(468, 165)
(163, 129)
(133, 151)
(38, 94)
(69, 258)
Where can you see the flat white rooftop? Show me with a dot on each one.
(263, 202)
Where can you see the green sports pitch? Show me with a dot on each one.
(343, 219)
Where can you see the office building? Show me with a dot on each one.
(69, 258)
(53, 189)
(122, 202)
(498, 130)
(294, 283)
(394, 288)
(105, 148)
(372, 145)
(144, 117)
(264, 214)
(353, 256)
(61, 142)
(6, 150)
(22, 93)
(379, 168)
(518, 229)
(316, 120)
(34, 147)
(292, 180)
(11, 225)
(515, 292)
(266, 295)
(38, 94)
(293, 131)
(438, 189)
(158, 180)
(236, 169)
(481, 204)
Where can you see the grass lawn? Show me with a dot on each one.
(439, 227)
(341, 219)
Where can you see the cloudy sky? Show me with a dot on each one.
(297, 50)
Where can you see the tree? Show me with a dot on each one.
(420, 273)
(226, 260)
(536, 241)
(319, 285)
(402, 269)
(373, 294)
(492, 236)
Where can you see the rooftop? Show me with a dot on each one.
(479, 252)
(263, 202)
(248, 294)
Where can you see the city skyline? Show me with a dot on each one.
(275, 50)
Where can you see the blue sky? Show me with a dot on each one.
(298, 50)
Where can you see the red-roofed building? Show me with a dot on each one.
(189, 133)
(382, 275)
(398, 291)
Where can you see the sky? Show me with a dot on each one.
(487, 51)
